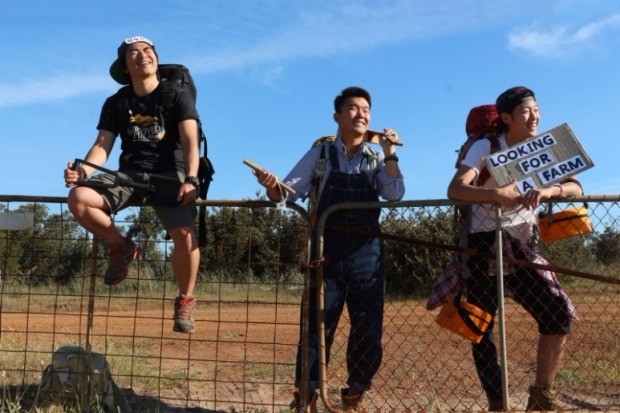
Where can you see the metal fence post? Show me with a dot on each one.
(499, 275)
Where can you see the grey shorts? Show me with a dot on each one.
(162, 199)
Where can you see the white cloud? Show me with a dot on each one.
(271, 35)
(561, 41)
(267, 75)
(329, 30)
(55, 88)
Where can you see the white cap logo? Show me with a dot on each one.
(136, 39)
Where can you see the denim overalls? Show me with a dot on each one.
(354, 274)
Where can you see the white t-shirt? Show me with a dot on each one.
(517, 221)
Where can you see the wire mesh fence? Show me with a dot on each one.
(428, 368)
(242, 355)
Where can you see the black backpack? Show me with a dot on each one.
(179, 75)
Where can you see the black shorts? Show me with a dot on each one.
(527, 287)
(163, 200)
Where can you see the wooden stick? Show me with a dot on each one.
(374, 137)
(259, 169)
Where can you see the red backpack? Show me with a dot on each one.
(481, 124)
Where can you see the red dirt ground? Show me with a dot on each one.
(241, 358)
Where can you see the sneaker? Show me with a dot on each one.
(351, 400)
(120, 256)
(542, 398)
(310, 407)
(184, 314)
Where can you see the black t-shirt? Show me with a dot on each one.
(149, 127)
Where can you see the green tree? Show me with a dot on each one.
(606, 246)
(411, 267)
(68, 248)
(252, 242)
(573, 253)
(292, 244)
(53, 250)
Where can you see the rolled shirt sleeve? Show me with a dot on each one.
(390, 189)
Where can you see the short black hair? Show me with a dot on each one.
(352, 91)
(509, 100)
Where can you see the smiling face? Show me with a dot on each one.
(353, 118)
(523, 121)
(140, 60)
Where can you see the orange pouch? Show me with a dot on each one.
(565, 224)
(464, 319)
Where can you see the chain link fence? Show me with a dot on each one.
(251, 282)
(428, 368)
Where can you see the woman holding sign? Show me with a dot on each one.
(537, 291)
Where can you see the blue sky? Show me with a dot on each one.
(267, 72)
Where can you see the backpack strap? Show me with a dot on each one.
(165, 100)
(124, 95)
(319, 172)
(205, 176)
(484, 173)
(466, 316)
(464, 212)
(321, 162)
(319, 169)
(370, 163)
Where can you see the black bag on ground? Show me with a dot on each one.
(76, 373)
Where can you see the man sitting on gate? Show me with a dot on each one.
(158, 126)
(354, 270)
(536, 290)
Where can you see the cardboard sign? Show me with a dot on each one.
(540, 161)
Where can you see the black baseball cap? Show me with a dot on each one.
(117, 70)
(512, 98)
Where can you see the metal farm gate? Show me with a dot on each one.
(254, 271)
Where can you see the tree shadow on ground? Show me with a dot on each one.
(29, 398)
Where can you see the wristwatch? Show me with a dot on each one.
(193, 180)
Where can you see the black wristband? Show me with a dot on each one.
(193, 180)
(390, 158)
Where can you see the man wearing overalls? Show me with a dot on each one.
(347, 169)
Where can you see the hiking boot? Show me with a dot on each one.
(184, 314)
(542, 398)
(310, 407)
(351, 400)
(120, 256)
